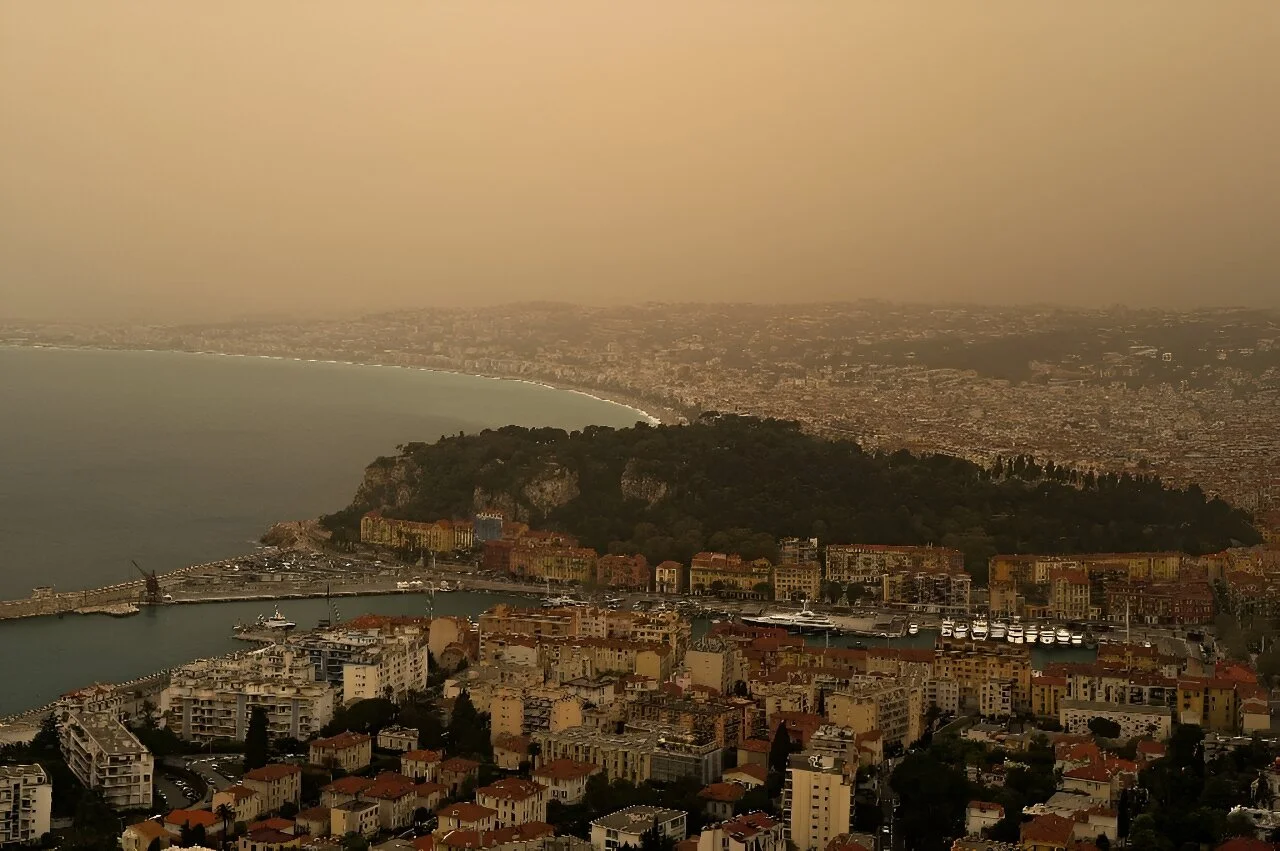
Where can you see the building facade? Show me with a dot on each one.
(26, 799)
(104, 755)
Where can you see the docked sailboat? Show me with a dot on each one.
(1063, 635)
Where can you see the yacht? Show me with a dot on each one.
(559, 602)
(1064, 635)
(1033, 633)
(980, 629)
(1077, 638)
(913, 628)
(961, 630)
(801, 621)
(999, 630)
(1016, 633)
(948, 627)
(1046, 636)
(278, 621)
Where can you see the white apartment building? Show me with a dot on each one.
(104, 755)
(212, 700)
(817, 800)
(25, 801)
(392, 669)
(627, 826)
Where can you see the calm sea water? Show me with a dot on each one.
(172, 459)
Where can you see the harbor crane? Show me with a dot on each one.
(152, 593)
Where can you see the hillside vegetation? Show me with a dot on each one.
(736, 484)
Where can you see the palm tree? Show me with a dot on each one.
(228, 815)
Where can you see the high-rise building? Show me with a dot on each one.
(104, 755)
(25, 801)
(818, 800)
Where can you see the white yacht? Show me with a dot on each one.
(559, 602)
(913, 628)
(948, 627)
(980, 629)
(1064, 635)
(999, 630)
(1046, 636)
(1077, 638)
(961, 630)
(1017, 635)
(278, 621)
(1033, 633)
(801, 621)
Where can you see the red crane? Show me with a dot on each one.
(152, 593)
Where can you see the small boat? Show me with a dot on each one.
(1047, 636)
(1063, 635)
(278, 621)
(1077, 638)
(1016, 633)
(913, 628)
(802, 621)
(948, 627)
(980, 629)
(999, 630)
(962, 630)
(1033, 633)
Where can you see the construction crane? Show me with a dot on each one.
(152, 593)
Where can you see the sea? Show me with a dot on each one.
(170, 459)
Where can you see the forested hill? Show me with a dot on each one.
(735, 484)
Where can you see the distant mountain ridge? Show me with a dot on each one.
(736, 484)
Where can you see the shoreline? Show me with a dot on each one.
(618, 399)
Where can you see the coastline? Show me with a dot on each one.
(669, 417)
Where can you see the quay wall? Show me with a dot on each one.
(65, 602)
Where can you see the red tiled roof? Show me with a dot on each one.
(464, 811)
(1050, 829)
(755, 772)
(459, 765)
(349, 785)
(755, 745)
(725, 792)
(272, 837)
(191, 818)
(511, 789)
(314, 814)
(1242, 843)
(341, 741)
(986, 807)
(272, 772)
(566, 769)
(422, 756)
(280, 824)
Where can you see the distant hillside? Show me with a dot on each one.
(736, 484)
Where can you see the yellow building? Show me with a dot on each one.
(884, 704)
(970, 665)
(797, 581)
(442, 536)
(817, 800)
(555, 564)
(1047, 694)
(1069, 594)
(718, 573)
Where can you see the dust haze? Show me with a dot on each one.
(180, 161)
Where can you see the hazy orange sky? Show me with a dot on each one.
(176, 160)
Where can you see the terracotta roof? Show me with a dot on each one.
(149, 830)
(690, 844)
(566, 769)
(459, 765)
(464, 811)
(1094, 772)
(191, 818)
(754, 745)
(272, 772)
(1242, 843)
(986, 807)
(755, 772)
(724, 792)
(238, 792)
(349, 785)
(748, 824)
(1050, 829)
(516, 744)
(425, 843)
(844, 843)
(422, 756)
(511, 789)
(314, 814)
(281, 824)
(272, 837)
(341, 741)
(426, 790)
(1147, 746)
(389, 787)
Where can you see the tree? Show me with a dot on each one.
(257, 741)
(469, 729)
(227, 814)
(1239, 824)
(354, 842)
(1104, 727)
(198, 836)
(933, 795)
(780, 750)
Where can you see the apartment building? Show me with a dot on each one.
(573, 658)
(797, 581)
(515, 800)
(515, 712)
(26, 798)
(818, 800)
(969, 665)
(565, 779)
(1135, 721)
(884, 704)
(670, 577)
(398, 739)
(1189, 602)
(703, 720)
(867, 564)
(277, 784)
(392, 669)
(104, 755)
(576, 565)
(1069, 594)
(747, 832)
(441, 536)
(995, 699)
(942, 590)
(212, 700)
(634, 756)
(628, 826)
(631, 573)
(348, 751)
(421, 765)
(728, 575)
(714, 664)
